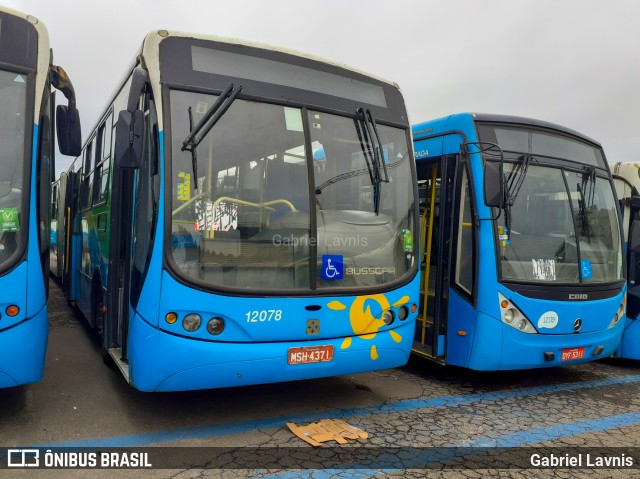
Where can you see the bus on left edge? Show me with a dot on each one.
(27, 75)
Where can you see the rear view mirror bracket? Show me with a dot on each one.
(130, 125)
(67, 117)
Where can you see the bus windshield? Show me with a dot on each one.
(563, 228)
(13, 100)
(246, 221)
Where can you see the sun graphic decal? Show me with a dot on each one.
(364, 322)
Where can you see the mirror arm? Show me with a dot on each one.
(139, 79)
(60, 81)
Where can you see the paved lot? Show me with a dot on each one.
(83, 403)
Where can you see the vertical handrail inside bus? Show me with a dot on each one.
(429, 239)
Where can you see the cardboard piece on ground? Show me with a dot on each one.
(327, 430)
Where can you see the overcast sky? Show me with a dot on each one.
(572, 62)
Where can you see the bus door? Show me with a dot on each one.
(633, 259)
(134, 202)
(116, 320)
(72, 235)
(437, 185)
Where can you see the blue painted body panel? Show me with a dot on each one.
(22, 351)
(489, 343)
(164, 362)
(164, 357)
(630, 344)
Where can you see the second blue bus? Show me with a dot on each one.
(521, 248)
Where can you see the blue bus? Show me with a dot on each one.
(521, 246)
(626, 178)
(26, 169)
(243, 214)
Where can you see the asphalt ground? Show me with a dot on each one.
(423, 420)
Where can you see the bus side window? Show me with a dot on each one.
(87, 181)
(465, 254)
(103, 155)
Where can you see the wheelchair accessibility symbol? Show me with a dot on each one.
(332, 267)
(585, 267)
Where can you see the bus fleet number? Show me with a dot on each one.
(264, 315)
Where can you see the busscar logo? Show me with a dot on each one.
(23, 458)
(578, 296)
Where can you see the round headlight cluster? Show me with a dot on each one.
(403, 312)
(388, 317)
(215, 326)
(191, 322)
(510, 315)
(619, 314)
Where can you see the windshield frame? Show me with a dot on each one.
(29, 140)
(169, 263)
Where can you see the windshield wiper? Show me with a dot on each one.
(514, 184)
(208, 121)
(365, 147)
(371, 144)
(516, 178)
(588, 181)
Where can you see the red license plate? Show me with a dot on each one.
(572, 354)
(310, 354)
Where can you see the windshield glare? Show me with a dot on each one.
(13, 98)
(558, 235)
(248, 222)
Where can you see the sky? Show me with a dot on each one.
(571, 62)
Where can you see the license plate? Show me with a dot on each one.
(572, 354)
(310, 354)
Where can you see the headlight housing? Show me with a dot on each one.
(215, 326)
(512, 316)
(191, 322)
(622, 310)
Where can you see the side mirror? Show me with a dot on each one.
(493, 184)
(634, 237)
(129, 139)
(68, 129)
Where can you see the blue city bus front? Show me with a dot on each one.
(23, 312)
(274, 245)
(538, 282)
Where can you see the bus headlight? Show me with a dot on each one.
(403, 312)
(618, 316)
(388, 317)
(191, 322)
(215, 326)
(512, 316)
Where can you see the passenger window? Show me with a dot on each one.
(87, 181)
(465, 255)
(103, 155)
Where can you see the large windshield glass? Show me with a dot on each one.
(369, 245)
(252, 196)
(559, 235)
(13, 99)
(246, 222)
